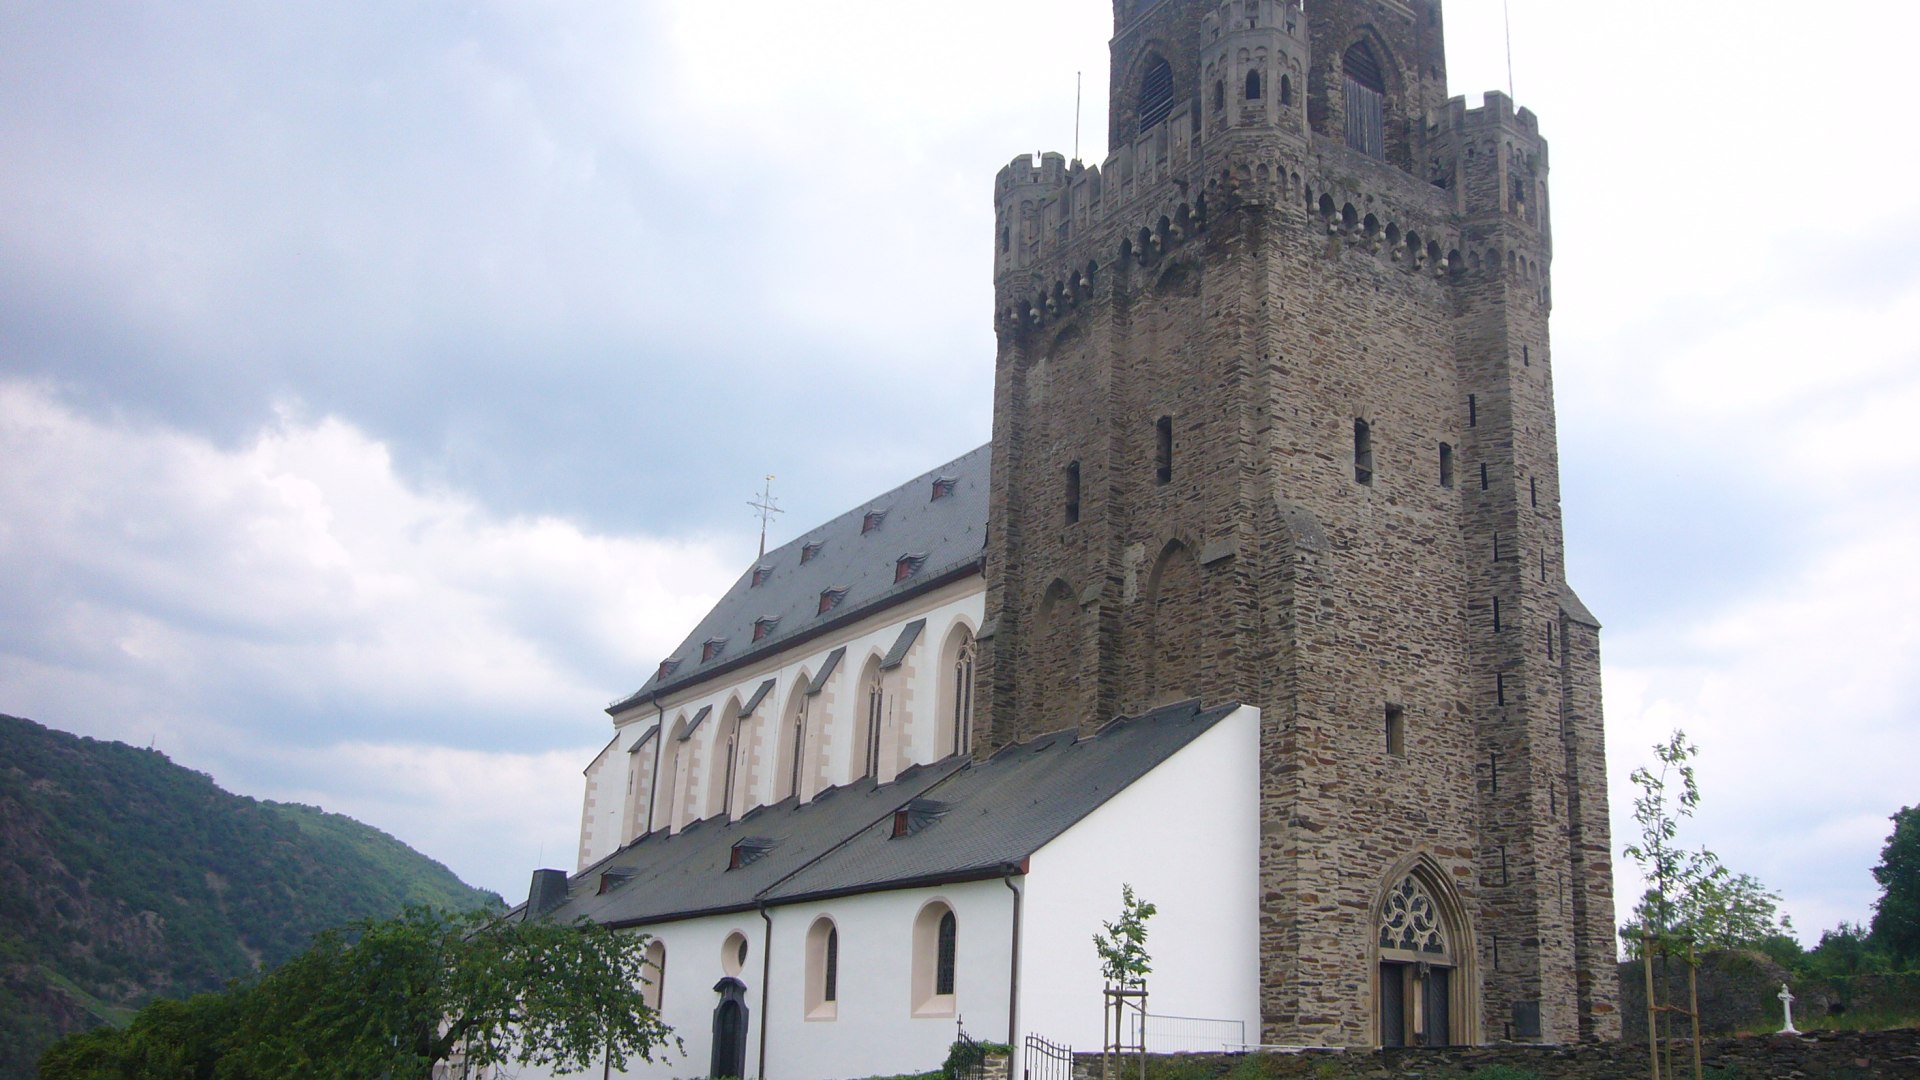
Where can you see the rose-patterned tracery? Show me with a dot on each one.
(1410, 922)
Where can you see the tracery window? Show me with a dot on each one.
(1409, 922)
(963, 698)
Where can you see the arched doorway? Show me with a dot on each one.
(1425, 986)
(729, 1029)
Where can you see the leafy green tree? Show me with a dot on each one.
(1692, 899)
(394, 998)
(1123, 948)
(1896, 916)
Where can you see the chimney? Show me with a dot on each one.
(549, 891)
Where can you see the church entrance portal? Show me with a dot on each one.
(1422, 992)
(729, 1029)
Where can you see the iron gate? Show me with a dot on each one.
(1046, 1061)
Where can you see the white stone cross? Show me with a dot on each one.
(1787, 999)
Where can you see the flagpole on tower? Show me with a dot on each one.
(1506, 11)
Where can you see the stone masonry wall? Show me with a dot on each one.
(1878, 1055)
(1199, 330)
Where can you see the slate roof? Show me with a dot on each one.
(975, 820)
(947, 535)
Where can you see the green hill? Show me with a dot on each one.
(124, 877)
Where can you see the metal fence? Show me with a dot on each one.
(1045, 1060)
(1187, 1034)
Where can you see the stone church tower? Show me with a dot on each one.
(1274, 423)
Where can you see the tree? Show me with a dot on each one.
(1123, 948)
(1896, 916)
(1692, 900)
(395, 998)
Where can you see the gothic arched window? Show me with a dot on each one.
(1156, 93)
(1253, 85)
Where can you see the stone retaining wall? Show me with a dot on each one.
(1877, 1055)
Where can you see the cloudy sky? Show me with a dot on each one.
(382, 384)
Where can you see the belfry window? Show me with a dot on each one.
(1366, 101)
(1253, 85)
(1156, 94)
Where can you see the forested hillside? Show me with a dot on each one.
(124, 877)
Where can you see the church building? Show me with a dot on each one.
(1274, 481)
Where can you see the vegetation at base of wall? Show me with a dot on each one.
(964, 1056)
(125, 878)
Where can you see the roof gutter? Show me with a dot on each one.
(973, 567)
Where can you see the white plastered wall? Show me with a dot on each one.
(914, 697)
(875, 1031)
(687, 997)
(1187, 837)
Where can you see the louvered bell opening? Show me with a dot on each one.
(1366, 101)
(1156, 94)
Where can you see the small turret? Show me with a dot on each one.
(1256, 61)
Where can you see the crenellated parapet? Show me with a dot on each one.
(1495, 159)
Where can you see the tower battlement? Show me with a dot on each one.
(1060, 223)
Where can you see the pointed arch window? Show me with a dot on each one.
(1366, 86)
(1156, 94)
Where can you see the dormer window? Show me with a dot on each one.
(668, 667)
(917, 815)
(943, 487)
(809, 552)
(873, 520)
(749, 851)
(760, 576)
(712, 648)
(907, 566)
(764, 626)
(831, 598)
(1366, 101)
(1156, 94)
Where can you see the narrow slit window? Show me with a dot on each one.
(1362, 452)
(1500, 688)
(1473, 410)
(830, 984)
(1446, 465)
(1163, 450)
(1396, 730)
(1484, 483)
(1543, 566)
(1496, 614)
(1533, 491)
(1496, 547)
(1550, 648)
(1073, 493)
